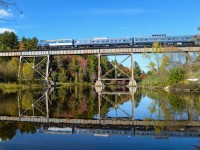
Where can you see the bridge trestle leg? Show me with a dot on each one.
(40, 66)
(99, 82)
(132, 81)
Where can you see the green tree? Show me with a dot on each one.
(27, 72)
(9, 41)
(29, 43)
(154, 58)
(137, 72)
(11, 71)
(176, 75)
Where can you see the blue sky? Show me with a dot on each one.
(49, 19)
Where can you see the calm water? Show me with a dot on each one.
(26, 119)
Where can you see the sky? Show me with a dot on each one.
(83, 19)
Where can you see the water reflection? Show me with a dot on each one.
(85, 103)
(111, 111)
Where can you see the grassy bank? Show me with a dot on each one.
(186, 86)
(15, 87)
(159, 82)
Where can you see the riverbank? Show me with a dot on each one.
(186, 87)
(183, 86)
(14, 87)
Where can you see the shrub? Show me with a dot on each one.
(176, 75)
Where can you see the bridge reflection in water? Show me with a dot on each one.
(103, 125)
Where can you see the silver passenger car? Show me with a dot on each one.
(183, 40)
(103, 42)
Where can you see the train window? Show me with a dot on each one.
(124, 40)
(115, 40)
(107, 41)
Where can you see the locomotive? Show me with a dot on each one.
(145, 41)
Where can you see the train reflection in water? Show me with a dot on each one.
(135, 131)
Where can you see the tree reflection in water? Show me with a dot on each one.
(82, 102)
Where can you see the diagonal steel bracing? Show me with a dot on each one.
(40, 104)
(39, 65)
(116, 68)
(105, 96)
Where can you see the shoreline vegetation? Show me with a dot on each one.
(186, 86)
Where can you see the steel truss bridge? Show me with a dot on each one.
(26, 55)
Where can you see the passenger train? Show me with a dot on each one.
(145, 41)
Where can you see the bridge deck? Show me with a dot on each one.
(103, 51)
(100, 122)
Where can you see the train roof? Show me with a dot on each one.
(163, 36)
(103, 39)
(54, 40)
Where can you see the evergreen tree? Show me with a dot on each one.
(137, 72)
(9, 41)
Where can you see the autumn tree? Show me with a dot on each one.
(154, 58)
(137, 72)
(27, 72)
(29, 43)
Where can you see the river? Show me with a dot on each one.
(113, 118)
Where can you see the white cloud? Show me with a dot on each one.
(4, 13)
(2, 30)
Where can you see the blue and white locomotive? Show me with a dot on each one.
(144, 41)
(56, 44)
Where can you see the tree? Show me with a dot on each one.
(27, 72)
(9, 41)
(154, 58)
(137, 72)
(10, 74)
(29, 43)
(176, 75)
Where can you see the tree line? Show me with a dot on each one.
(68, 68)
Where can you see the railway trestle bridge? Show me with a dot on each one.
(31, 55)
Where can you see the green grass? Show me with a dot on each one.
(15, 87)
